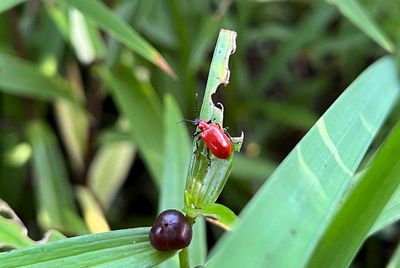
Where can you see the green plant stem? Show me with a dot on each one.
(184, 258)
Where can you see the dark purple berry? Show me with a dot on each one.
(170, 231)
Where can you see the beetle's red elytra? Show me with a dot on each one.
(215, 138)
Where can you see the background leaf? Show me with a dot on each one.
(6, 4)
(91, 211)
(54, 197)
(109, 169)
(357, 14)
(23, 78)
(120, 30)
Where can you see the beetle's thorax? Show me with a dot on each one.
(203, 125)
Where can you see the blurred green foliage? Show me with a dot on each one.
(82, 85)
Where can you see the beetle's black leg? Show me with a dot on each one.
(197, 144)
(225, 130)
(208, 156)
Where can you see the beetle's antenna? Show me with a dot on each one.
(194, 122)
(195, 105)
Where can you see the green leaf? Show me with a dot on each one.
(206, 178)
(7, 4)
(296, 204)
(395, 259)
(109, 169)
(310, 28)
(91, 211)
(176, 159)
(85, 38)
(119, 29)
(140, 105)
(352, 10)
(217, 214)
(73, 122)
(56, 208)
(23, 78)
(356, 215)
(122, 248)
(389, 215)
(13, 232)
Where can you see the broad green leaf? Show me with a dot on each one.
(119, 29)
(109, 169)
(56, 208)
(176, 159)
(207, 174)
(91, 211)
(13, 232)
(252, 168)
(140, 105)
(122, 248)
(355, 12)
(23, 78)
(356, 215)
(7, 4)
(295, 206)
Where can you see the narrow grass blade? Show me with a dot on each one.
(7, 4)
(122, 248)
(310, 28)
(140, 105)
(119, 29)
(354, 11)
(85, 38)
(91, 210)
(177, 154)
(296, 205)
(19, 77)
(389, 215)
(356, 215)
(109, 169)
(395, 259)
(56, 208)
(72, 122)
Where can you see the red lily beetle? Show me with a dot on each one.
(216, 139)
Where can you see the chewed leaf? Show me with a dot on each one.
(207, 174)
(13, 232)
